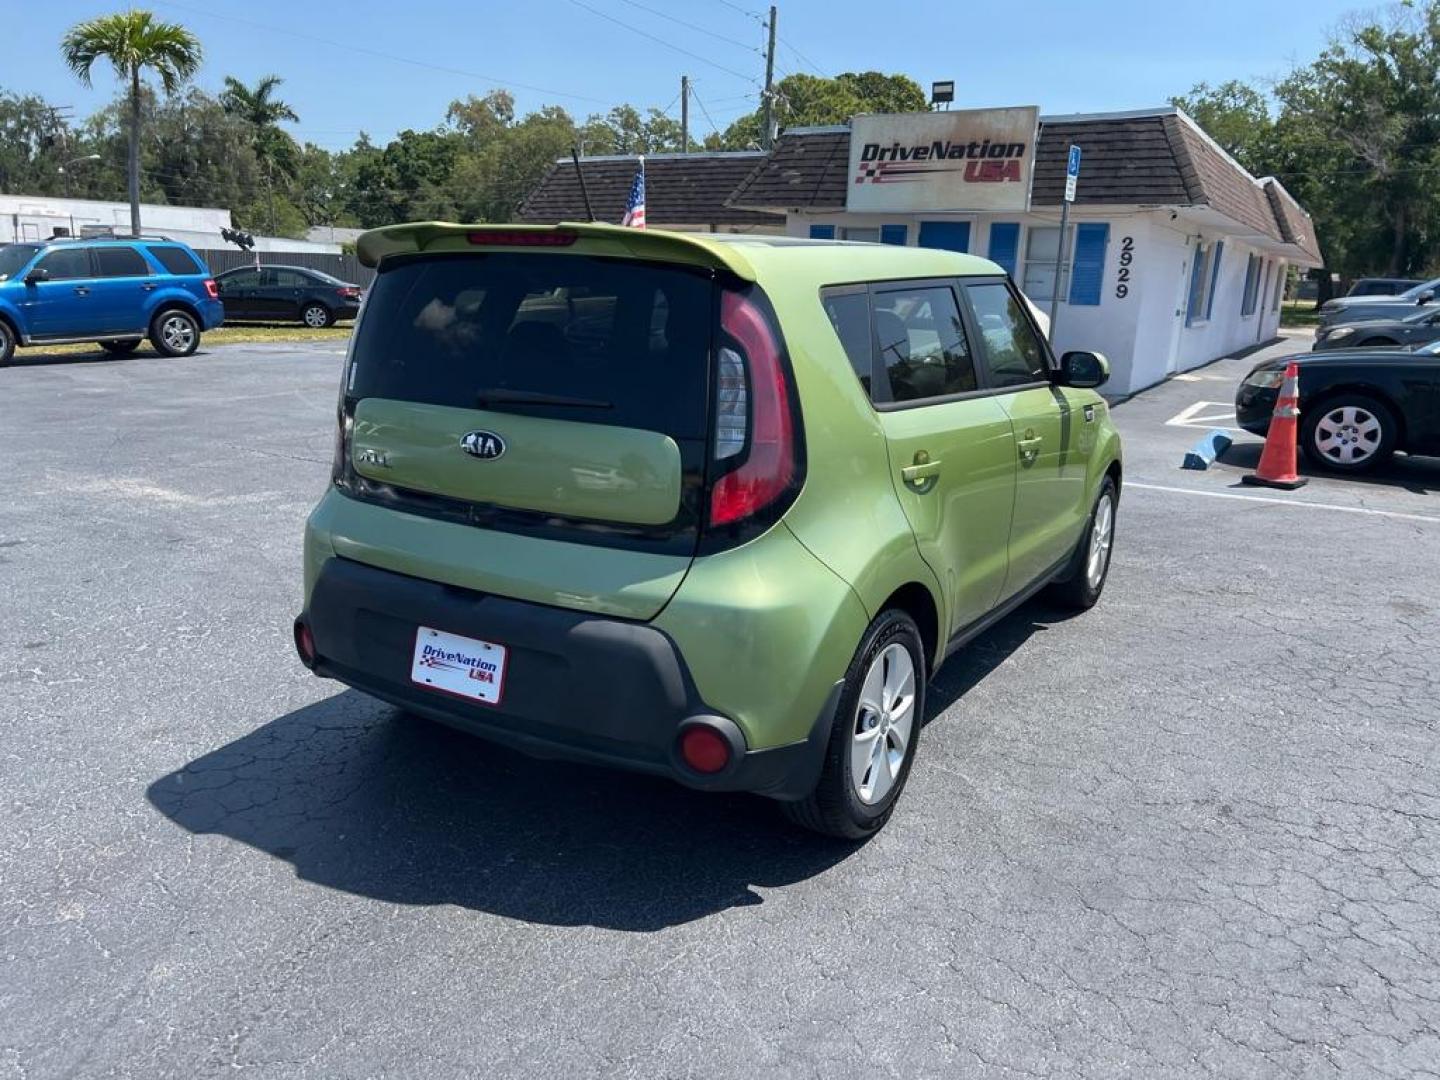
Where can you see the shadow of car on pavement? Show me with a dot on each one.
(365, 799)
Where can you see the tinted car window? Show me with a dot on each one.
(1013, 352)
(120, 262)
(241, 279)
(922, 343)
(66, 263)
(13, 257)
(287, 279)
(632, 336)
(850, 319)
(176, 260)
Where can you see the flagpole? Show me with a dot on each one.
(584, 193)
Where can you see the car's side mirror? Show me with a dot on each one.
(1083, 370)
(39, 274)
(1425, 297)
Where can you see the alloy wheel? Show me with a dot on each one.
(884, 724)
(316, 318)
(178, 333)
(1102, 535)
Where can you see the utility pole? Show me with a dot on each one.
(766, 136)
(685, 114)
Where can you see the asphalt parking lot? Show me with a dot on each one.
(1191, 833)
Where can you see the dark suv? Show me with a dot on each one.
(114, 291)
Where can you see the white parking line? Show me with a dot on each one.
(1298, 503)
(1189, 416)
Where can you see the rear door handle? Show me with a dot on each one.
(81, 290)
(149, 286)
(1030, 446)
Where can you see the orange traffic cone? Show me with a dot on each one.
(1277, 460)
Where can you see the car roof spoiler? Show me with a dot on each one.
(581, 238)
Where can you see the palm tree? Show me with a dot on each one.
(259, 107)
(133, 41)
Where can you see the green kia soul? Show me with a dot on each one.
(712, 507)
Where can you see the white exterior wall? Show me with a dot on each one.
(33, 217)
(1143, 334)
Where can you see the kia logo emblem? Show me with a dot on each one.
(485, 445)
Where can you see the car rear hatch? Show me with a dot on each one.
(537, 403)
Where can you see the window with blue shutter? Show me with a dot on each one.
(1087, 272)
(1197, 285)
(894, 234)
(1005, 244)
(948, 235)
(822, 232)
(1214, 276)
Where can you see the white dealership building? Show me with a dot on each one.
(1174, 255)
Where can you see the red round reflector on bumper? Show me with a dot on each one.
(305, 643)
(704, 749)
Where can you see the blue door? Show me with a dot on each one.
(950, 235)
(61, 305)
(120, 290)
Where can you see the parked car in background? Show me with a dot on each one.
(1357, 308)
(1357, 407)
(708, 507)
(1382, 286)
(114, 291)
(287, 294)
(1418, 328)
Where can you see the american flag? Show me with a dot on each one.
(635, 208)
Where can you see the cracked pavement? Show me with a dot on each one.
(1191, 833)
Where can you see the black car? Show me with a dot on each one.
(1382, 286)
(1357, 407)
(287, 294)
(1419, 328)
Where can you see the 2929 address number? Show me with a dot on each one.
(1122, 276)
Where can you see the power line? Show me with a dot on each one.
(804, 59)
(704, 111)
(364, 51)
(662, 41)
(744, 11)
(690, 25)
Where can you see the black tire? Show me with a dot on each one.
(7, 342)
(835, 807)
(121, 348)
(175, 332)
(317, 316)
(1328, 433)
(1079, 589)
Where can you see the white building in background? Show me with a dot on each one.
(1174, 255)
(39, 217)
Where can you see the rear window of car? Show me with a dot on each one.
(176, 260)
(627, 342)
(120, 262)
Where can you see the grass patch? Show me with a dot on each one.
(1299, 314)
(239, 334)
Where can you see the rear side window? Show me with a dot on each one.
(849, 314)
(120, 262)
(923, 348)
(626, 343)
(176, 260)
(1014, 355)
(64, 264)
(285, 279)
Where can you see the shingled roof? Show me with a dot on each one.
(680, 189)
(1156, 157)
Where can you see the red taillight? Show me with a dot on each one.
(211, 289)
(304, 643)
(704, 749)
(349, 292)
(522, 238)
(764, 420)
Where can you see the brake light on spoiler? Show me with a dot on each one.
(521, 238)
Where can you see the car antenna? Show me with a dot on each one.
(584, 192)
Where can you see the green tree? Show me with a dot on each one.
(133, 41)
(802, 100)
(1237, 117)
(262, 113)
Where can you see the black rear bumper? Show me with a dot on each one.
(577, 686)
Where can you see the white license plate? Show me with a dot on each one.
(465, 667)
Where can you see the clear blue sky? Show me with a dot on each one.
(344, 63)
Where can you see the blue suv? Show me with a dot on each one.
(114, 291)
